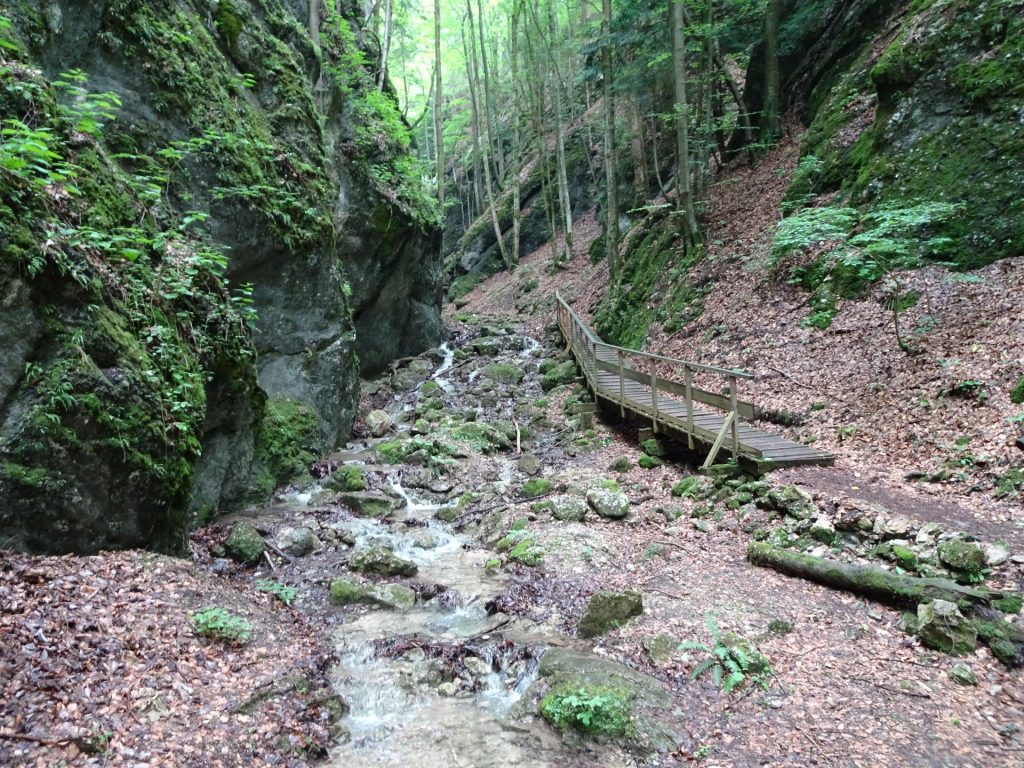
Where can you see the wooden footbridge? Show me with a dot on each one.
(625, 380)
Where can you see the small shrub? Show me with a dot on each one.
(589, 709)
(1017, 395)
(282, 592)
(220, 624)
(729, 663)
(688, 488)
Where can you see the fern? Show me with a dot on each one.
(728, 664)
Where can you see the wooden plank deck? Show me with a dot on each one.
(679, 410)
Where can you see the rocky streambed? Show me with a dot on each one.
(413, 547)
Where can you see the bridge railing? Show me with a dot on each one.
(597, 355)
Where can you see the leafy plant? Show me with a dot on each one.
(590, 709)
(282, 592)
(220, 624)
(729, 664)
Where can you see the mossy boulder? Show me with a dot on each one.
(347, 478)
(942, 627)
(609, 503)
(562, 373)
(689, 488)
(621, 465)
(654, 447)
(606, 611)
(649, 462)
(792, 501)
(368, 504)
(538, 486)
(1017, 394)
(966, 557)
(503, 373)
(379, 561)
(568, 508)
(245, 543)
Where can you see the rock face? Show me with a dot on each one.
(133, 397)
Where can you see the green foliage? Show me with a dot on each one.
(730, 664)
(689, 488)
(282, 592)
(1017, 394)
(220, 624)
(351, 477)
(591, 709)
(287, 442)
(538, 486)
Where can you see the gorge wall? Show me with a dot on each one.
(209, 221)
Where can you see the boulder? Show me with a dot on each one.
(381, 562)
(964, 556)
(942, 627)
(897, 527)
(963, 674)
(368, 504)
(568, 508)
(996, 554)
(608, 503)
(298, 541)
(245, 544)
(608, 610)
(621, 465)
(823, 530)
(395, 597)
(529, 465)
(378, 423)
(660, 649)
(792, 501)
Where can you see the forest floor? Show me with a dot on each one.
(928, 434)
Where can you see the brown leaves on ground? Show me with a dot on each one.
(99, 665)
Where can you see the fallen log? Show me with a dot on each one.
(984, 606)
(898, 590)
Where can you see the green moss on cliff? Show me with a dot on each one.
(287, 442)
(934, 117)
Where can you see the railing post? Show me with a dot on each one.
(622, 385)
(688, 380)
(654, 399)
(735, 419)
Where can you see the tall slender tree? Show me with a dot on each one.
(684, 187)
(611, 225)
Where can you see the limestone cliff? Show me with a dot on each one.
(208, 216)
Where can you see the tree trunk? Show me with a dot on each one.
(683, 183)
(438, 130)
(611, 218)
(517, 149)
(385, 46)
(770, 120)
(493, 146)
(636, 144)
(474, 122)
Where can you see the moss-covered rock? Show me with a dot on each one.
(609, 610)
(941, 626)
(538, 486)
(379, 561)
(967, 557)
(609, 503)
(556, 376)
(245, 543)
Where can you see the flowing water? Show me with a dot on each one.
(406, 710)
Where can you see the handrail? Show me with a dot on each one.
(592, 337)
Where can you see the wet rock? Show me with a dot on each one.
(487, 346)
(378, 423)
(381, 562)
(568, 508)
(608, 503)
(448, 689)
(425, 540)
(645, 697)
(529, 464)
(395, 597)
(477, 666)
(660, 649)
(406, 380)
(964, 556)
(245, 543)
(369, 504)
(996, 554)
(346, 591)
(417, 478)
(942, 627)
(298, 541)
(608, 610)
(963, 674)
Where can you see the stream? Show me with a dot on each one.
(434, 684)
